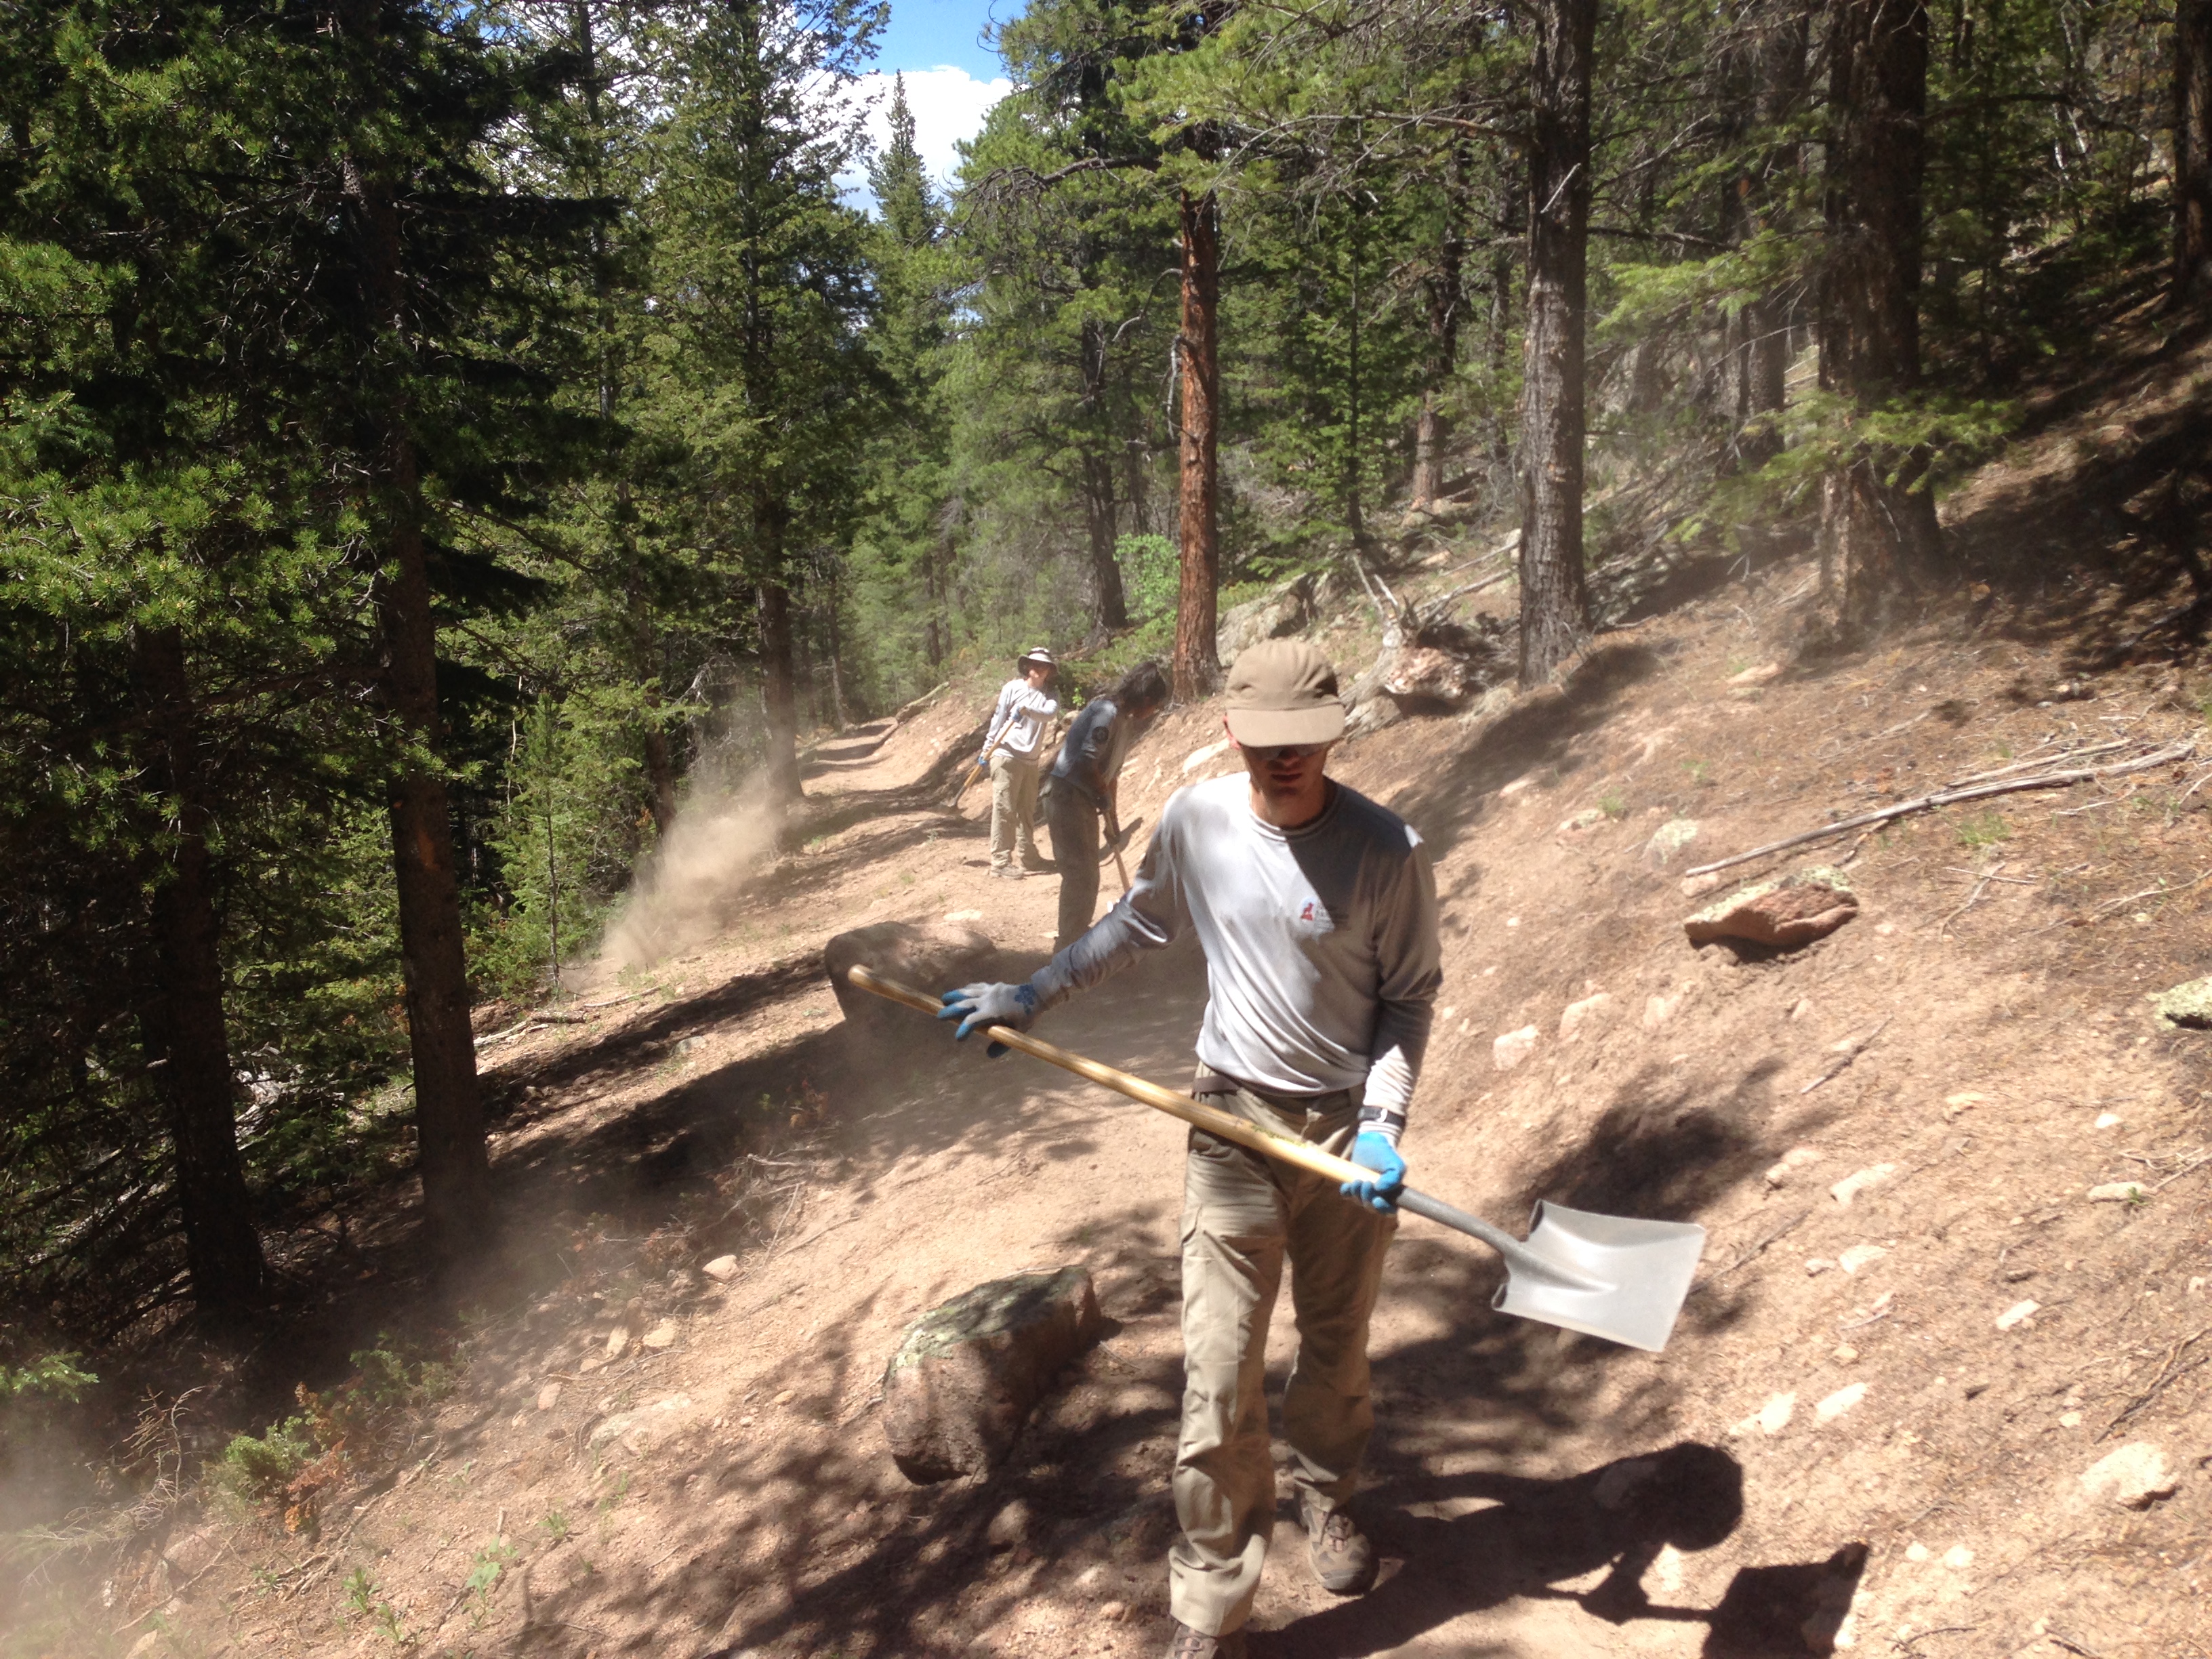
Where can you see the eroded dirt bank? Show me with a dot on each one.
(1856, 1438)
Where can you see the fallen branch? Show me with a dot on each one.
(1981, 886)
(2168, 1373)
(1752, 1252)
(1953, 796)
(1906, 1642)
(535, 1022)
(1850, 1055)
(2152, 892)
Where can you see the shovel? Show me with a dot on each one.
(1603, 1275)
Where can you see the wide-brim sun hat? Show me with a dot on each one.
(1283, 691)
(1037, 654)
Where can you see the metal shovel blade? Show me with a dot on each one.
(1619, 1278)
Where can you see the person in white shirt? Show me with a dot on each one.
(1317, 908)
(1011, 748)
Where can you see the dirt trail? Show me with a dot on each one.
(1826, 1457)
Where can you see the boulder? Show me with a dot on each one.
(931, 957)
(1289, 610)
(1787, 912)
(648, 1427)
(969, 1373)
(2187, 1006)
(1422, 674)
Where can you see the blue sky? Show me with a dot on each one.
(952, 78)
(925, 34)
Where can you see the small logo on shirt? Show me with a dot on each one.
(1307, 914)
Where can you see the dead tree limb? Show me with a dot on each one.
(2057, 780)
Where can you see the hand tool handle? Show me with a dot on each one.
(1212, 1119)
(1229, 1127)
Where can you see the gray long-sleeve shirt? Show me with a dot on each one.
(1322, 956)
(1018, 721)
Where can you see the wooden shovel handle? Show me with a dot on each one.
(1212, 1119)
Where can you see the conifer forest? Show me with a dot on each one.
(440, 445)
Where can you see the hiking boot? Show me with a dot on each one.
(1342, 1558)
(1040, 866)
(1188, 1643)
(1009, 872)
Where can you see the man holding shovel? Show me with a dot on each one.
(1317, 909)
(1086, 781)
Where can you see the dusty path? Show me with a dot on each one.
(1826, 1457)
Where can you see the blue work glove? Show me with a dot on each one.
(984, 1004)
(1372, 1152)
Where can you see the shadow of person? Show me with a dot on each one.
(1538, 1534)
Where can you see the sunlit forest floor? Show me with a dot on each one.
(638, 1456)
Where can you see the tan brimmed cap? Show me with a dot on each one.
(1037, 654)
(1283, 691)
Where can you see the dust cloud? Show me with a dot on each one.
(690, 891)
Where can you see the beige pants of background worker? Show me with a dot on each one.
(1242, 1214)
(1014, 809)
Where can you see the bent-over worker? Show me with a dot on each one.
(1011, 746)
(1086, 781)
(1317, 909)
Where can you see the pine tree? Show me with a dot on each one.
(766, 289)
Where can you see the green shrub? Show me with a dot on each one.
(56, 1376)
(255, 1468)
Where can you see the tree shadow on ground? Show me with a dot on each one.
(1450, 803)
(2078, 552)
(922, 1572)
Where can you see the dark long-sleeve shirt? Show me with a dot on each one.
(1091, 754)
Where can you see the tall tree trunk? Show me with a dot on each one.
(779, 699)
(660, 777)
(448, 1114)
(1111, 602)
(1110, 605)
(1554, 602)
(1782, 28)
(1497, 436)
(1877, 537)
(839, 709)
(1197, 668)
(1430, 429)
(2192, 149)
(187, 1041)
(936, 564)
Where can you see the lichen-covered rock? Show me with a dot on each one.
(1786, 912)
(1423, 675)
(931, 957)
(1668, 839)
(969, 1373)
(2188, 1006)
(1289, 610)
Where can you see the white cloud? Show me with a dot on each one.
(949, 104)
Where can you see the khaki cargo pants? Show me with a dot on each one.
(1243, 1215)
(1014, 809)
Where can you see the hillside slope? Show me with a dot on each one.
(1858, 1438)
